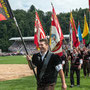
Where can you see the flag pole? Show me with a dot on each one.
(89, 15)
(29, 62)
(70, 37)
(89, 20)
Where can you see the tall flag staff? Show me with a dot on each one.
(71, 41)
(89, 15)
(5, 14)
(89, 21)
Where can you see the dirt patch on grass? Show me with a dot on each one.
(14, 71)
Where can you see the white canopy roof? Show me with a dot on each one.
(29, 38)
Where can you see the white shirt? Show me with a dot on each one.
(43, 55)
(59, 67)
(81, 61)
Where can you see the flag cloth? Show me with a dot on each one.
(5, 10)
(56, 35)
(86, 34)
(89, 5)
(84, 41)
(74, 32)
(79, 33)
(39, 32)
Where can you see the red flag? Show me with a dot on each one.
(89, 5)
(56, 35)
(5, 10)
(84, 41)
(74, 32)
(39, 32)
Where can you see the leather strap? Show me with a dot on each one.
(45, 64)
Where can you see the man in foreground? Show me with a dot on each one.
(48, 66)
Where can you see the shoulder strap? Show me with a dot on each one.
(45, 64)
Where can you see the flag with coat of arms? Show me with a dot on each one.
(56, 35)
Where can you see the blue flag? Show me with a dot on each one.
(79, 33)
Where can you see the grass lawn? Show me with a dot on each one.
(29, 83)
(13, 60)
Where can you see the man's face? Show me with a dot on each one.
(43, 47)
(74, 50)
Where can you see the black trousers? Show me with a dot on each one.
(66, 68)
(86, 68)
(72, 70)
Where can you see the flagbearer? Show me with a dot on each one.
(76, 62)
(65, 63)
(86, 64)
(48, 66)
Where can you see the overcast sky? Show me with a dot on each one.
(45, 5)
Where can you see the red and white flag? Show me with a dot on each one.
(56, 35)
(39, 32)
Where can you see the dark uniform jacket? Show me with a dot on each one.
(89, 56)
(86, 57)
(50, 75)
(75, 60)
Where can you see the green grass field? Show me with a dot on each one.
(13, 60)
(29, 83)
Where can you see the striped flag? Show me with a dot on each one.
(39, 32)
(56, 35)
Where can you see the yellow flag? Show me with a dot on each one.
(86, 29)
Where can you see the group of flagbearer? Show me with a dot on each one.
(77, 55)
(79, 58)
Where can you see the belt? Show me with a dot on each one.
(86, 60)
(45, 85)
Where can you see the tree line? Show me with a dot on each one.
(26, 21)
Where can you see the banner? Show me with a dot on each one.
(79, 32)
(56, 35)
(5, 10)
(39, 32)
(74, 32)
(85, 34)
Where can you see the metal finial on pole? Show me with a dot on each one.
(51, 3)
